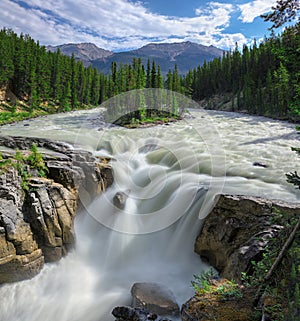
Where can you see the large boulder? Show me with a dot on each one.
(120, 198)
(154, 297)
(238, 230)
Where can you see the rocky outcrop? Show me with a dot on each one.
(3, 90)
(119, 200)
(216, 307)
(135, 314)
(154, 297)
(36, 224)
(20, 257)
(237, 231)
(50, 209)
(150, 301)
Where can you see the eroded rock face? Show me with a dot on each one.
(50, 209)
(154, 297)
(237, 231)
(20, 257)
(37, 225)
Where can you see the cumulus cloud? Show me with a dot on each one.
(218, 12)
(251, 10)
(116, 24)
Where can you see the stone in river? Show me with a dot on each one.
(155, 298)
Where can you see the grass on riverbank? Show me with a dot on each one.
(10, 113)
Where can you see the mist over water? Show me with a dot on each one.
(171, 175)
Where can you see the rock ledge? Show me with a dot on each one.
(237, 231)
(37, 225)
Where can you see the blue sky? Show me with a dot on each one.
(122, 24)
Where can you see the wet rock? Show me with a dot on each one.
(18, 142)
(119, 200)
(20, 257)
(154, 297)
(237, 231)
(62, 171)
(37, 224)
(260, 164)
(73, 168)
(135, 314)
(50, 210)
(148, 148)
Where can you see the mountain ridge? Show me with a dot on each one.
(186, 55)
(85, 51)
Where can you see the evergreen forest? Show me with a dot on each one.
(263, 79)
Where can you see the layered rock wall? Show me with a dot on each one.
(20, 256)
(237, 231)
(37, 223)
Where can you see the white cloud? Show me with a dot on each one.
(115, 24)
(251, 10)
(229, 40)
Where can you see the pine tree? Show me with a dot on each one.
(175, 80)
(281, 77)
(284, 11)
(6, 58)
(160, 83)
(169, 80)
(95, 88)
(148, 75)
(153, 76)
(74, 83)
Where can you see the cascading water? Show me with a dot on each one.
(171, 175)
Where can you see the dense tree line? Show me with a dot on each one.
(263, 79)
(42, 78)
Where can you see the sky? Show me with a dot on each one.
(121, 25)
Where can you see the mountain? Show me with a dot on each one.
(186, 55)
(86, 52)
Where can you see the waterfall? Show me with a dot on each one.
(171, 176)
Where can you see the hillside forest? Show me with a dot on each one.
(263, 79)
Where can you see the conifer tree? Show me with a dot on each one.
(284, 11)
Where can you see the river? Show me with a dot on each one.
(172, 174)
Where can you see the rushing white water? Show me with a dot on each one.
(171, 174)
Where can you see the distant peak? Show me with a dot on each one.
(85, 51)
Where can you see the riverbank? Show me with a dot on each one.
(13, 114)
(18, 110)
(229, 103)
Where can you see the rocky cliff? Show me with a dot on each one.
(237, 231)
(37, 223)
